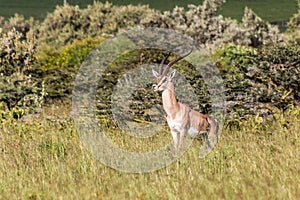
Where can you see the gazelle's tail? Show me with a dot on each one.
(212, 137)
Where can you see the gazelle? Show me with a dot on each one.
(181, 119)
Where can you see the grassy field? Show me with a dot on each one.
(270, 10)
(43, 158)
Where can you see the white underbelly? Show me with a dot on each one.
(192, 132)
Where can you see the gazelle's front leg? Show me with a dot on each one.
(175, 139)
(174, 132)
(183, 129)
(181, 139)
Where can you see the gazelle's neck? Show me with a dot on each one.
(169, 101)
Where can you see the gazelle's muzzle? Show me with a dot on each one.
(155, 87)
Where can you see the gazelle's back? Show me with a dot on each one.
(198, 120)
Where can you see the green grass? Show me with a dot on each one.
(270, 10)
(43, 158)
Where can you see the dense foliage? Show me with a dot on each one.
(58, 67)
(260, 81)
(207, 27)
(17, 59)
(69, 23)
(40, 59)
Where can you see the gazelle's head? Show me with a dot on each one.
(163, 81)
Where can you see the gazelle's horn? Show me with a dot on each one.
(162, 63)
(174, 61)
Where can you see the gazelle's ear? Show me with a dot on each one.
(173, 73)
(155, 73)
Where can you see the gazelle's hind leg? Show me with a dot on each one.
(211, 138)
(212, 135)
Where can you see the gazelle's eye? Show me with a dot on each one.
(164, 80)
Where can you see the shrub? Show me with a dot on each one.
(240, 102)
(61, 26)
(58, 67)
(17, 58)
(207, 27)
(279, 67)
(69, 56)
(69, 23)
(20, 24)
(258, 32)
(109, 19)
(260, 81)
(200, 22)
(17, 55)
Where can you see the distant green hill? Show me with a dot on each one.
(270, 10)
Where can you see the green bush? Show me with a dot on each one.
(62, 26)
(69, 56)
(69, 23)
(207, 27)
(260, 81)
(240, 103)
(18, 88)
(258, 32)
(201, 22)
(106, 19)
(20, 24)
(279, 67)
(58, 67)
(16, 54)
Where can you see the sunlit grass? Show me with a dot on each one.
(43, 158)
